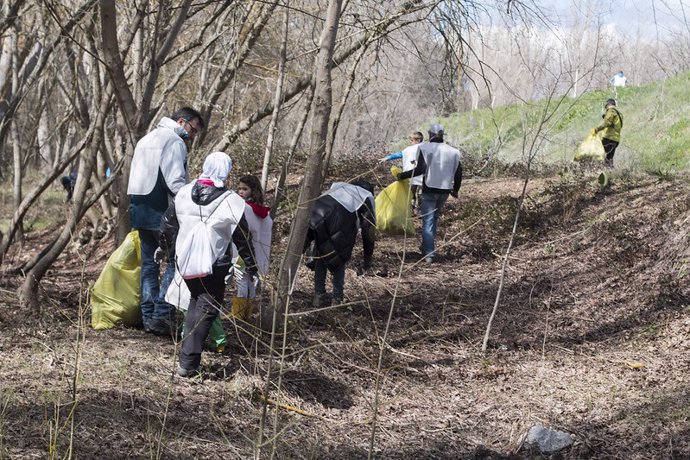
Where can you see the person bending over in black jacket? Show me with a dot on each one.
(337, 216)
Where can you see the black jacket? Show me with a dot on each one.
(333, 229)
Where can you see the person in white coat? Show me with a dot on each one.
(260, 226)
(207, 200)
(618, 80)
(409, 162)
(158, 171)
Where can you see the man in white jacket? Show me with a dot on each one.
(441, 170)
(158, 171)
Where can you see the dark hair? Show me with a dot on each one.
(610, 102)
(366, 185)
(188, 114)
(418, 135)
(255, 186)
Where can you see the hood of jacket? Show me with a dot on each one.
(205, 194)
(260, 211)
(169, 123)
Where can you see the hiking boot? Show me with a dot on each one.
(187, 373)
(321, 300)
(162, 327)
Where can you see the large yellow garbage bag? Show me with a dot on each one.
(393, 207)
(590, 149)
(115, 295)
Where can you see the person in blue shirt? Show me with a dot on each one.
(409, 160)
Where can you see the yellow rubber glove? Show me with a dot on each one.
(594, 132)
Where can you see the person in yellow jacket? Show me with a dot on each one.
(611, 127)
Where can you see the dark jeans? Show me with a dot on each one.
(153, 304)
(205, 302)
(320, 269)
(610, 149)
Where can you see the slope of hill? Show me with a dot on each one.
(656, 132)
(591, 338)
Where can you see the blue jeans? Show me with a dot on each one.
(153, 304)
(320, 270)
(430, 209)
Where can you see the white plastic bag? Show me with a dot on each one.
(178, 293)
(195, 255)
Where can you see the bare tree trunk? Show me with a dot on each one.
(311, 185)
(381, 29)
(136, 118)
(16, 141)
(277, 98)
(335, 121)
(128, 108)
(10, 10)
(39, 57)
(28, 292)
(44, 143)
(17, 181)
(246, 40)
(280, 188)
(31, 198)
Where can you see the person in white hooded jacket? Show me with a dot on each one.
(222, 210)
(158, 171)
(261, 226)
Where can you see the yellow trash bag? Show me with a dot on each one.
(590, 149)
(115, 295)
(393, 207)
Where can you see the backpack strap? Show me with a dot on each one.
(219, 201)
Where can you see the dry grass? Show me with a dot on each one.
(591, 338)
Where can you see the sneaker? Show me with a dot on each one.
(321, 300)
(428, 260)
(187, 373)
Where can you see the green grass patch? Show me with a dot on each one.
(655, 136)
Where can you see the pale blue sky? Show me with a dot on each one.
(651, 17)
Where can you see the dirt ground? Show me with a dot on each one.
(591, 337)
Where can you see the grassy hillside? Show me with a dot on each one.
(655, 137)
